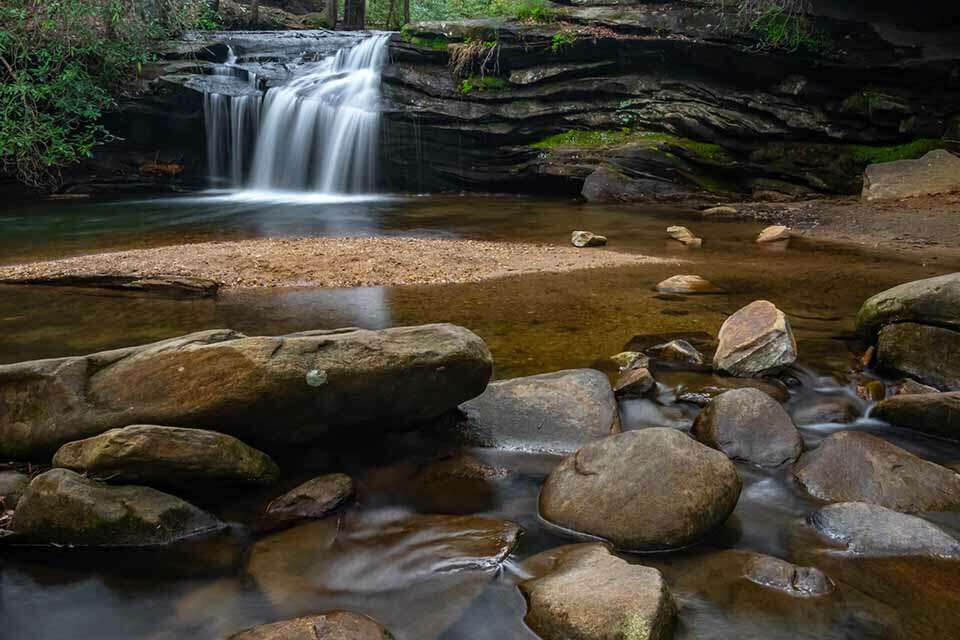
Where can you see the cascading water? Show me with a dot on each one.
(317, 133)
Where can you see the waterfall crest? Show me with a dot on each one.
(318, 133)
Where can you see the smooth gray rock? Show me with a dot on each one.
(932, 301)
(929, 354)
(934, 413)
(552, 412)
(936, 172)
(756, 339)
(872, 530)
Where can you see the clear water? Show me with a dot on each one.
(204, 590)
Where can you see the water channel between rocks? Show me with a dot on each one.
(209, 588)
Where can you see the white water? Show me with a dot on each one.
(318, 134)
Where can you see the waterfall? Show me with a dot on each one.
(317, 133)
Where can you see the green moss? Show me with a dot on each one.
(872, 155)
(779, 28)
(532, 10)
(562, 39)
(481, 84)
(616, 137)
(407, 34)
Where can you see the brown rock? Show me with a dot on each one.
(634, 383)
(755, 340)
(800, 582)
(684, 235)
(688, 285)
(677, 351)
(315, 498)
(936, 172)
(934, 413)
(929, 354)
(582, 239)
(335, 625)
(776, 233)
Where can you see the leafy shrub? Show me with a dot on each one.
(562, 39)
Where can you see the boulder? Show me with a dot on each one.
(583, 239)
(936, 172)
(756, 339)
(676, 351)
(552, 412)
(776, 233)
(688, 284)
(934, 413)
(269, 390)
(851, 466)
(799, 582)
(933, 301)
(684, 235)
(929, 354)
(335, 625)
(649, 489)
(13, 484)
(587, 593)
(908, 386)
(62, 507)
(749, 425)
(315, 498)
(169, 456)
(872, 530)
(609, 183)
(634, 383)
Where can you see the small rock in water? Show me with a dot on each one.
(684, 235)
(583, 239)
(756, 339)
(776, 233)
(934, 413)
(688, 284)
(631, 360)
(634, 383)
(13, 484)
(315, 498)
(800, 582)
(722, 210)
(837, 410)
(872, 530)
(679, 351)
(335, 625)
(872, 390)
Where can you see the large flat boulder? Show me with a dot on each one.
(267, 390)
(167, 456)
(851, 466)
(936, 172)
(553, 412)
(64, 508)
(932, 301)
(934, 413)
(929, 354)
(872, 530)
(587, 593)
(649, 489)
(755, 340)
(334, 625)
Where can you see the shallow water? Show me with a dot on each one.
(207, 589)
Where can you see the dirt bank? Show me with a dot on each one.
(330, 262)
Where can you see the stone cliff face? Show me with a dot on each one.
(666, 100)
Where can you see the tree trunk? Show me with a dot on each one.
(354, 14)
(331, 13)
(254, 12)
(406, 11)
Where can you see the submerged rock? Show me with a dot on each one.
(272, 390)
(701, 388)
(929, 354)
(851, 466)
(64, 508)
(799, 582)
(583, 239)
(936, 172)
(749, 425)
(335, 625)
(634, 383)
(872, 530)
(169, 456)
(688, 285)
(776, 233)
(933, 301)
(585, 592)
(13, 484)
(653, 488)
(164, 286)
(684, 235)
(756, 339)
(315, 498)
(552, 412)
(934, 413)
(836, 410)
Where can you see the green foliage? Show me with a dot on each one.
(535, 10)
(909, 151)
(616, 137)
(562, 39)
(407, 34)
(482, 84)
(780, 30)
(60, 62)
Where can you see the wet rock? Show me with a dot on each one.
(722, 210)
(62, 507)
(701, 341)
(553, 412)
(162, 286)
(677, 351)
(653, 488)
(799, 582)
(934, 413)
(12, 486)
(688, 284)
(749, 425)
(872, 390)
(589, 594)
(827, 411)
(609, 183)
(634, 383)
(908, 386)
(583, 239)
(851, 466)
(335, 625)
(684, 235)
(270, 390)
(460, 484)
(168, 456)
(776, 233)
(316, 498)
(936, 172)
(872, 530)
(930, 354)
(933, 301)
(700, 388)
(756, 339)
(630, 360)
